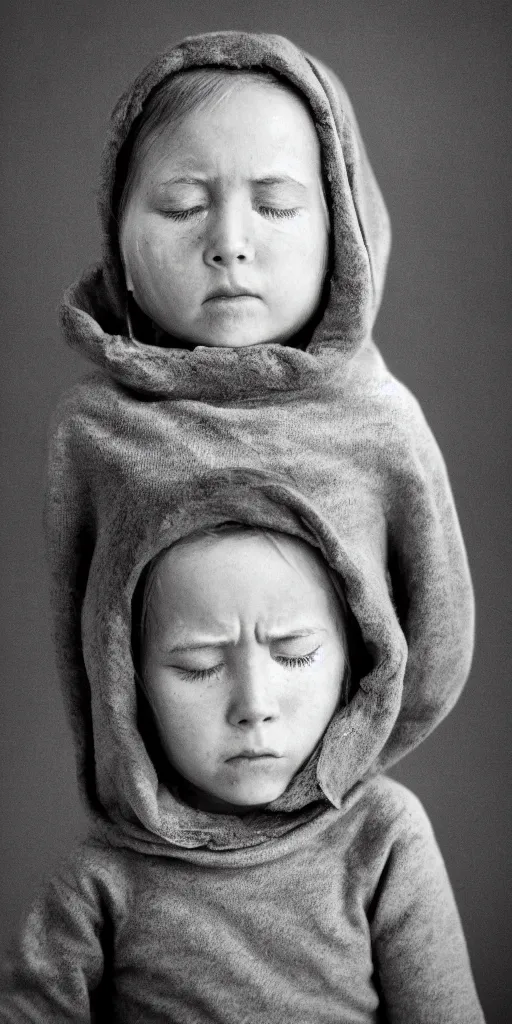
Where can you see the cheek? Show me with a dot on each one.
(317, 694)
(301, 255)
(158, 257)
(185, 718)
(315, 248)
(156, 260)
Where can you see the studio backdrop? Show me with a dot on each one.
(430, 86)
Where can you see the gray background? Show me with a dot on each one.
(429, 85)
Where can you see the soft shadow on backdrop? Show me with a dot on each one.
(430, 88)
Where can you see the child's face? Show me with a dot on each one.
(229, 201)
(242, 663)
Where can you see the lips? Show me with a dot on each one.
(251, 755)
(231, 293)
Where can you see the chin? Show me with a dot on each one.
(257, 797)
(235, 340)
(234, 335)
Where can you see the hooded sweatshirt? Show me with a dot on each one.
(332, 903)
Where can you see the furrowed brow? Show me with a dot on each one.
(183, 648)
(295, 634)
(280, 179)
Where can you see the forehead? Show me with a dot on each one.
(247, 123)
(247, 574)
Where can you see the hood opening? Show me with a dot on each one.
(359, 237)
(304, 789)
(137, 324)
(94, 310)
(385, 717)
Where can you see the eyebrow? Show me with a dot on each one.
(200, 645)
(280, 179)
(295, 634)
(266, 182)
(184, 180)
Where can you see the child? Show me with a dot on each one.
(250, 864)
(245, 250)
(234, 165)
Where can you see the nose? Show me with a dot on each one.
(253, 698)
(230, 241)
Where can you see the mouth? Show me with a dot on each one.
(254, 755)
(230, 295)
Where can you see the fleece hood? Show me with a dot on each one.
(353, 470)
(322, 443)
(94, 310)
(122, 773)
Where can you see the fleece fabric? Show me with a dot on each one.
(332, 902)
(348, 919)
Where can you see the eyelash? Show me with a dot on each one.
(268, 211)
(201, 674)
(300, 662)
(183, 214)
(275, 212)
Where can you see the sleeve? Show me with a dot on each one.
(56, 964)
(421, 960)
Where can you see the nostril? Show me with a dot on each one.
(250, 721)
(241, 256)
(217, 259)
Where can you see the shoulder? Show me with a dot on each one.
(381, 827)
(398, 806)
(392, 845)
(87, 415)
(96, 875)
(409, 853)
(388, 815)
(372, 389)
(92, 392)
(399, 801)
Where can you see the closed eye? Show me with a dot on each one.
(273, 212)
(200, 674)
(183, 214)
(298, 662)
(278, 213)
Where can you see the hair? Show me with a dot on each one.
(141, 606)
(170, 103)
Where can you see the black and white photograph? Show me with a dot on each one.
(255, 708)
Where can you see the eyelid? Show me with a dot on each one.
(302, 643)
(181, 215)
(199, 673)
(297, 660)
(274, 212)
